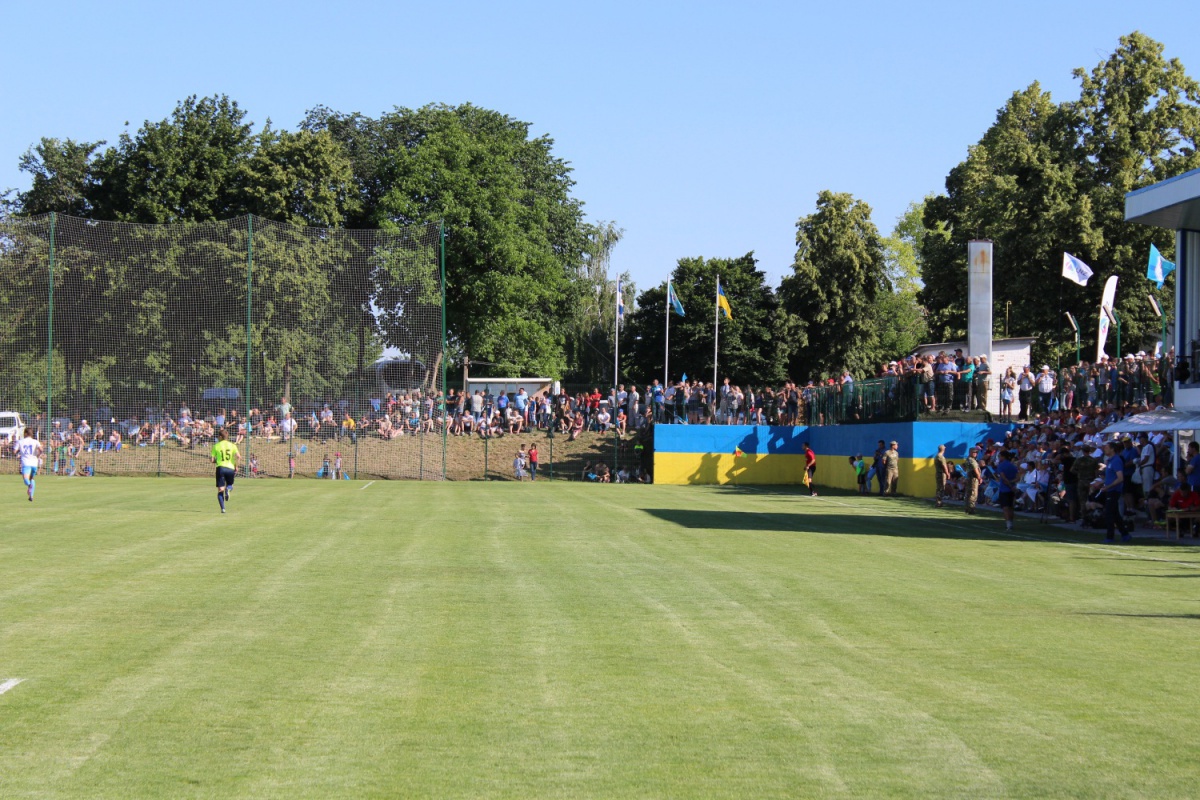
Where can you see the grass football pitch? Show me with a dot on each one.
(357, 639)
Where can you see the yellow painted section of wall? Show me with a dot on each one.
(681, 469)
(719, 468)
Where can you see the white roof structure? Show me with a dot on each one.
(1173, 203)
(1160, 419)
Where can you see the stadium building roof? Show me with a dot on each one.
(1173, 203)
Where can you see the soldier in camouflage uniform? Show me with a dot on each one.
(973, 477)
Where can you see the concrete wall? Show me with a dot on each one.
(706, 454)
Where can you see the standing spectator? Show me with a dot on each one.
(1114, 484)
(877, 468)
(945, 374)
(966, 383)
(533, 462)
(1046, 382)
(1008, 388)
(1006, 474)
(983, 373)
(1025, 385)
(941, 473)
(860, 472)
(891, 462)
(519, 465)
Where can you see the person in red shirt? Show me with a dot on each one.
(810, 469)
(1184, 499)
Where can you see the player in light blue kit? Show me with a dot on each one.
(30, 451)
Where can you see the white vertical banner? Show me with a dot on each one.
(1106, 301)
(979, 310)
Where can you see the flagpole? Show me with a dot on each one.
(617, 342)
(716, 329)
(667, 339)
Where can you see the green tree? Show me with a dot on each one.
(589, 339)
(61, 175)
(837, 279)
(1048, 178)
(515, 236)
(749, 349)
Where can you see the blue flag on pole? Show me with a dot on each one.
(620, 302)
(673, 299)
(1159, 268)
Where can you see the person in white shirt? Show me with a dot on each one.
(1146, 462)
(30, 451)
(1046, 381)
(1025, 393)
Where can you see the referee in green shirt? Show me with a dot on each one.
(225, 455)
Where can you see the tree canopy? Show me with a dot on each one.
(750, 350)
(1051, 177)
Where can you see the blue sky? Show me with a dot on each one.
(702, 129)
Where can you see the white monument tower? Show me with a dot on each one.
(979, 310)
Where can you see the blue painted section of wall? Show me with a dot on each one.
(752, 439)
(703, 454)
(916, 440)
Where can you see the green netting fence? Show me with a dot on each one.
(126, 347)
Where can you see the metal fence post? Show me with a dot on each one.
(50, 329)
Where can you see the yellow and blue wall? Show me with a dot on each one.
(696, 454)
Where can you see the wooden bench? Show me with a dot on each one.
(1174, 516)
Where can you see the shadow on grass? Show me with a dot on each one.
(909, 517)
(1144, 575)
(1137, 616)
(824, 523)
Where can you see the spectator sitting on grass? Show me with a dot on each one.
(603, 420)
(576, 427)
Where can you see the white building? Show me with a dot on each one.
(1005, 353)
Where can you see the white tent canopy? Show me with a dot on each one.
(1160, 419)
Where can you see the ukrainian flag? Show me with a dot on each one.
(722, 303)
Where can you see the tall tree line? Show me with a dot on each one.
(529, 288)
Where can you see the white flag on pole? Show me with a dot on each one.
(1075, 270)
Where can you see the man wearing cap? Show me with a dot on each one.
(966, 380)
(941, 473)
(891, 462)
(973, 477)
(1045, 387)
(982, 373)
(1025, 385)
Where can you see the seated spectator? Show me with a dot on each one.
(576, 427)
(1184, 499)
(603, 420)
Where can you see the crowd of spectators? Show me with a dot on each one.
(1062, 459)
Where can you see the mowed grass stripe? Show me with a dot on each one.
(567, 640)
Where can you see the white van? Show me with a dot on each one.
(11, 427)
